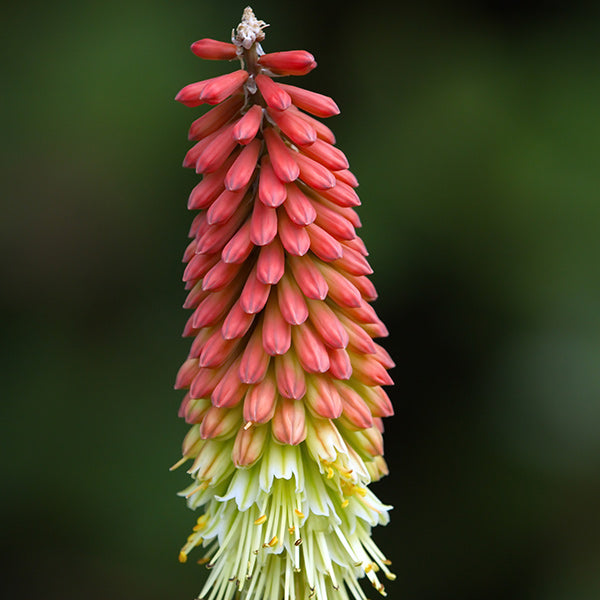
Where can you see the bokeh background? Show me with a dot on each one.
(474, 129)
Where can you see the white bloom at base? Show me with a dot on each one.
(282, 530)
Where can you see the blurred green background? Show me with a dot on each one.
(474, 130)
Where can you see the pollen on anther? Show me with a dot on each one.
(273, 541)
(299, 513)
(345, 502)
(203, 560)
(182, 557)
(260, 520)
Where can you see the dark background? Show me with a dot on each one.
(474, 130)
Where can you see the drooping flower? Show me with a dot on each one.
(283, 379)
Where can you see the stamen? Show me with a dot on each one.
(182, 557)
(299, 513)
(180, 462)
(260, 520)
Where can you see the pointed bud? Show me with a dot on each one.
(271, 190)
(323, 132)
(215, 118)
(294, 238)
(369, 370)
(220, 88)
(376, 398)
(322, 397)
(196, 409)
(186, 373)
(254, 295)
(271, 263)
(291, 62)
(327, 324)
(292, 303)
(324, 441)
(341, 291)
(312, 102)
(298, 207)
(221, 275)
(206, 381)
(308, 277)
(313, 174)
(356, 412)
(220, 423)
(289, 423)
(239, 246)
(335, 224)
(276, 331)
(249, 445)
(210, 49)
(216, 350)
(230, 390)
(219, 149)
(237, 322)
(347, 177)
(273, 95)
(325, 246)
(214, 306)
(359, 340)
(217, 236)
(340, 365)
(247, 127)
(282, 161)
(353, 263)
(341, 194)
(329, 156)
(213, 462)
(260, 401)
(263, 224)
(192, 442)
(310, 349)
(225, 206)
(293, 126)
(255, 361)
(290, 376)
(242, 169)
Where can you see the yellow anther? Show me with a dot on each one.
(182, 557)
(299, 513)
(329, 473)
(369, 567)
(203, 560)
(291, 530)
(260, 520)
(273, 541)
(360, 491)
(345, 502)
(248, 425)
(391, 576)
(387, 561)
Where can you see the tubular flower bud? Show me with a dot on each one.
(283, 380)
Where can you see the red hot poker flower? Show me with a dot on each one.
(283, 379)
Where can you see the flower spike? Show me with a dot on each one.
(283, 379)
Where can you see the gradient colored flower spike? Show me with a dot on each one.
(284, 381)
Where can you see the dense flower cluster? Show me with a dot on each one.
(284, 379)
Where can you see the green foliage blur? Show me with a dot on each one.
(474, 130)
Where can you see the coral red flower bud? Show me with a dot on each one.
(322, 397)
(255, 361)
(215, 118)
(323, 132)
(260, 401)
(356, 412)
(230, 390)
(340, 365)
(293, 237)
(309, 278)
(239, 246)
(299, 208)
(249, 446)
(311, 351)
(220, 88)
(270, 265)
(241, 170)
(215, 154)
(247, 127)
(314, 174)
(325, 246)
(271, 189)
(326, 154)
(334, 223)
(237, 322)
(213, 50)
(225, 206)
(290, 62)
(292, 302)
(282, 161)
(220, 423)
(263, 224)
(312, 102)
(293, 126)
(290, 376)
(327, 324)
(273, 95)
(276, 331)
(289, 423)
(255, 294)
(347, 177)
